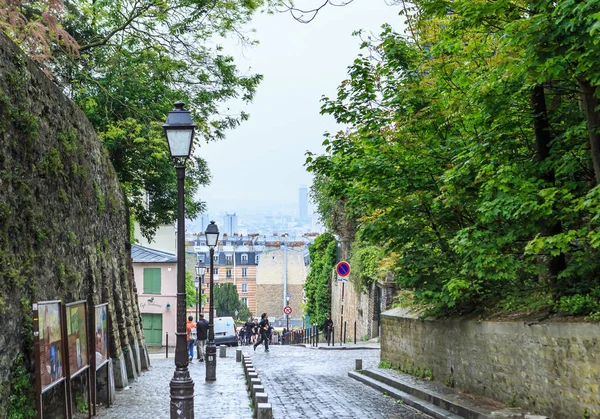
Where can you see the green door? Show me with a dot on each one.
(152, 328)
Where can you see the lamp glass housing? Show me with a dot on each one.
(180, 141)
(212, 234)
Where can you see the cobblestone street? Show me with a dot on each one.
(301, 383)
(312, 383)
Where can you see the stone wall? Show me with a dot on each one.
(547, 368)
(63, 222)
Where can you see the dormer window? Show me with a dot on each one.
(244, 258)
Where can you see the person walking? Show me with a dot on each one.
(263, 327)
(202, 331)
(190, 329)
(327, 327)
(249, 327)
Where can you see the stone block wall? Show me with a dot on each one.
(547, 368)
(63, 220)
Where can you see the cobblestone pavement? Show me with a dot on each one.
(149, 396)
(311, 383)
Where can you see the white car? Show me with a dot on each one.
(225, 331)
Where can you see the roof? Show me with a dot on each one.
(141, 254)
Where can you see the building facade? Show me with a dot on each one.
(155, 275)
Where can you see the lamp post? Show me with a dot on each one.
(179, 130)
(212, 237)
(199, 273)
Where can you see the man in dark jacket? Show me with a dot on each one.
(263, 327)
(202, 333)
(249, 330)
(327, 327)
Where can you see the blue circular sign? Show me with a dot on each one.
(343, 269)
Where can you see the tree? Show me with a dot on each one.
(227, 302)
(124, 63)
(467, 155)
(318, 282)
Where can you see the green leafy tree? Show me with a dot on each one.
(227, 302)
(318, 282)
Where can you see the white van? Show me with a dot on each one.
(225, 331)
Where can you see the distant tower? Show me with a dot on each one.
(202, 222)
(303, 202)
(230, 224)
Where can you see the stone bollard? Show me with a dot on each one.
(222, 351)
(254, 382)
(358, 364)
(248, 371)
(238, 355)
(260, 398)
(250, 377)
(264, 411)
(255, 390)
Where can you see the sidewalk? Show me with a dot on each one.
(149, 396)
(435, 399)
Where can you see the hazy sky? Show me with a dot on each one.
(261, 162)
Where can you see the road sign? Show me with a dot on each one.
(287, 310)
(343, 269)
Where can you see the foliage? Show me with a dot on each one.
(467, 158)
(365, 261)
(125, 63)
(318, 282)
(190, 290)
(227, 301)
(21, 399)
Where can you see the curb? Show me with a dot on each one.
(445, 405)
(412, 401)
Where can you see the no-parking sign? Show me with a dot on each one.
(343, 270)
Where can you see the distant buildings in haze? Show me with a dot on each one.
(303, 203)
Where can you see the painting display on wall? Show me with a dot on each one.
(50, 333)
(101, 335)
(77, 336)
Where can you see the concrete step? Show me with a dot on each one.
(409, 400)
(435, 399)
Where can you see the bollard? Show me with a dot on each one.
(167, 347)
(222, 351)
(254, 382)
(261, 397)
(355, 332)
(332, 336)
(238, 355)
(264, 411)
(317, 341)
(358, 364)
(250, 377)
(255, 390)
(344, 332)
(249, 371)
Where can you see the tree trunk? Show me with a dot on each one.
(543, 139)
(590, 104)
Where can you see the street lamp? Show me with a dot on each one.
(179, 130)
(212, 237)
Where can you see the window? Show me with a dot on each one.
(216, 271)
(216, 258)
(256, 259)
(152, 280)
(244, 273)
(245, 301)
(229, 259)
(244, 258)
(244, 288)
(228, 273)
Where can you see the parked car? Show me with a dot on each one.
(225, 331)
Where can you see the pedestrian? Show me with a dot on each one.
(191, 335)
(242, 335)
(327, 327)
(202, 332)
(263, 326)
(249, 327)
(255, 331)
